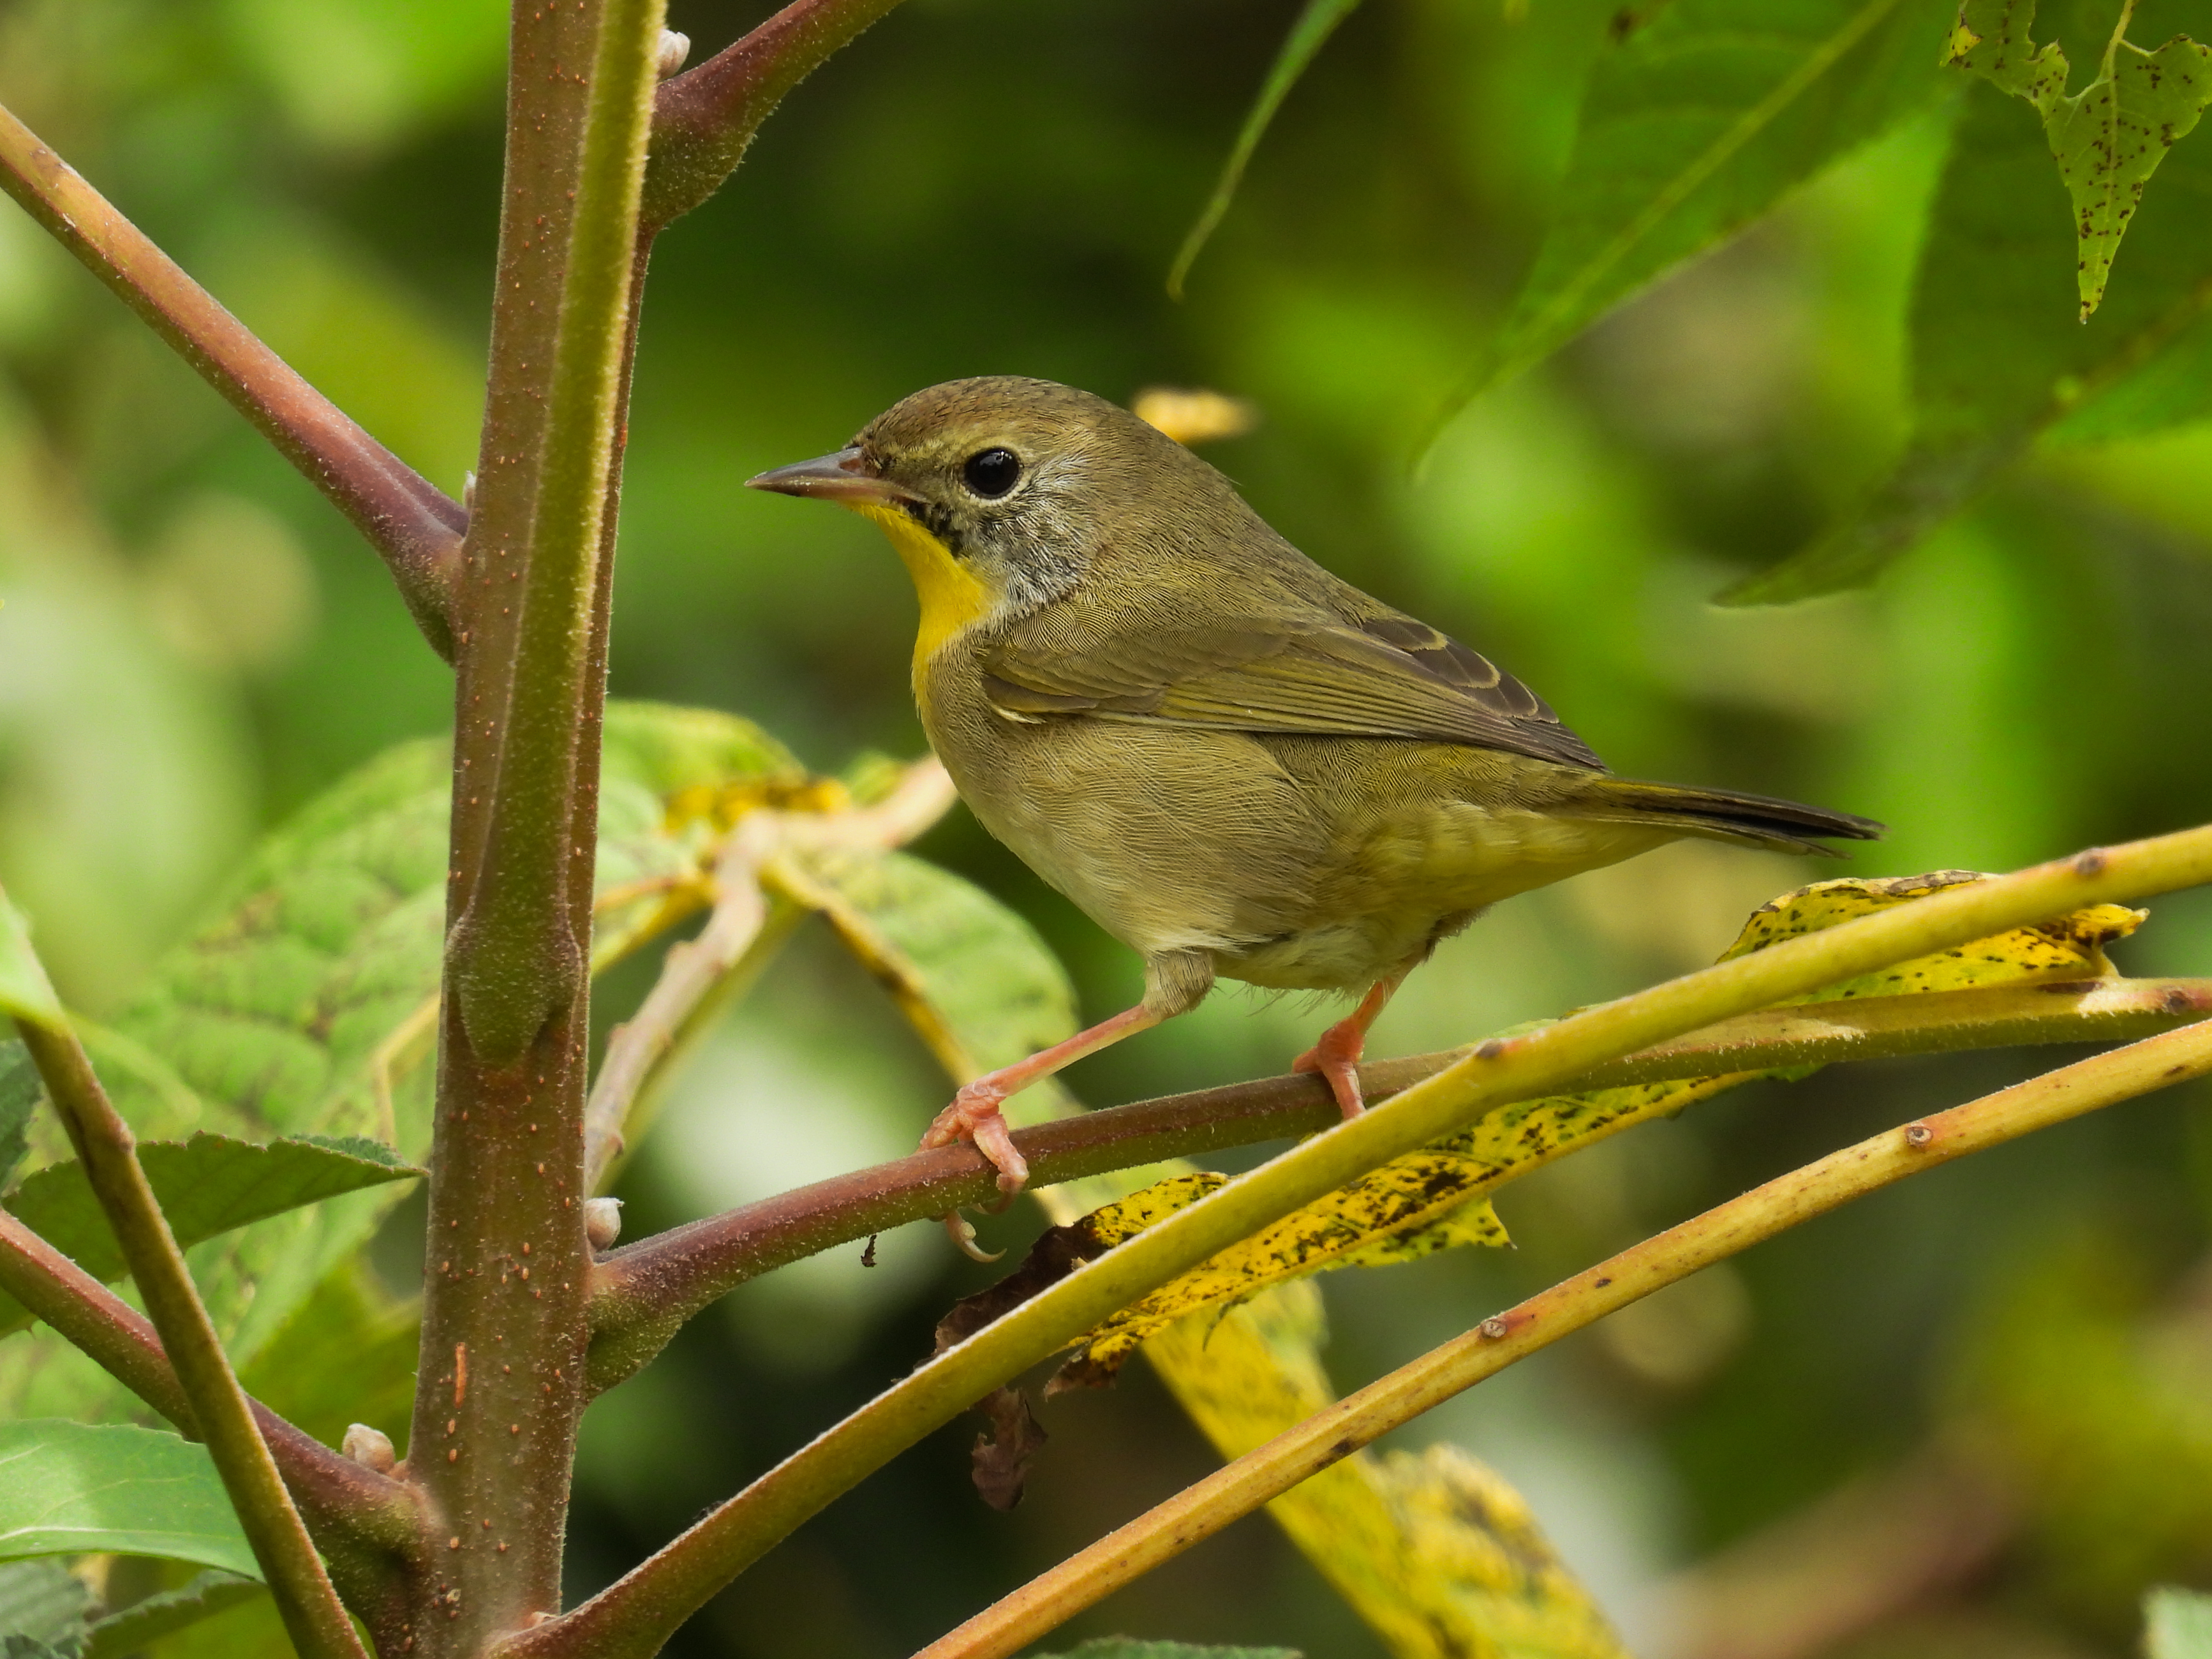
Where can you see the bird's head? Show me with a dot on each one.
(1003, 489)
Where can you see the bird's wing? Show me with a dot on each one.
(1384, 676)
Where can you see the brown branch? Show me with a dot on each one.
(414, 526)
(1201, 1510)
(703, 118)
(363, 1520)
(641, 1295)
(313, 1616)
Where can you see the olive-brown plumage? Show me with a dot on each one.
(1233, 761)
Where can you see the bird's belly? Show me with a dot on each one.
(1420, 873)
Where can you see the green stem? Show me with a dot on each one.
(632, 1617)
(516, 963)
(1200, 1512)
(313, 1615)
(413, 525)
(644, 1293)
(501, 1388)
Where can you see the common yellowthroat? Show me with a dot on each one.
(1233, 761)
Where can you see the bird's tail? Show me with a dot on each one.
(1723, 815)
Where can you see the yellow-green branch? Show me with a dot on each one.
(313, 1615)
(1201, 1510)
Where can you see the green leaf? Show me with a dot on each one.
(1130, 1647)
(308, 1006)
(72, 1488)
(21, 1090)
(975, 980)
(1696, 125)
(163, 1615)
(208, 1185)
(347, 1355)
(42, 1601)
(1999, 354)
(1315, 23)
(2109, 137)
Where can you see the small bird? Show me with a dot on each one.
(1235, 762)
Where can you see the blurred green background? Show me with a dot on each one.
(2013, 1357)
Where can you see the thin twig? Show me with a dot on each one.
(703, 118)
(642, 1294)
(694, 970)
(412, 523)
(632, 1617)
(1201, 1510)
(312, 1615)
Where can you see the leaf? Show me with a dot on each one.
(1694, 125)
(347, 1355)
(1001, 1455)
(973, 978)
(20, 1091)
(2000, 355)
(1436, 1553)
(72, 1488)
(1315, 24)
(308, 1006)
(1437, 1197)
(2177, 1623)
(2068, 947)
(42, 1600)
(208, 1185)
(163, 1615)
(2109, 138)
(1131, 1647)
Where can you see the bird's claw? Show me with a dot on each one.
(973, 1116)
(1339, 1070)
(962, 1232)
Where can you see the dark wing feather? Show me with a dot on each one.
(1388, 677)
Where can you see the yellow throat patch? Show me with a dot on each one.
(952, 599)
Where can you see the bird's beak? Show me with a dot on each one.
(844, 477)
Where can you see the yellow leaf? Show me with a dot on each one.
(2068, 947)
(1435, 1551)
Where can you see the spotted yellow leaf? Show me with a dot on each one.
(1438, 1553)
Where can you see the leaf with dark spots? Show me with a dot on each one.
(1059, 1251)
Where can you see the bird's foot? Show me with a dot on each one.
(973, 1116)
(1336, 1057)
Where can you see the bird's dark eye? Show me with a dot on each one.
(991, 472)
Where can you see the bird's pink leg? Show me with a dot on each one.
(974, 1115)
(1336, 1056)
